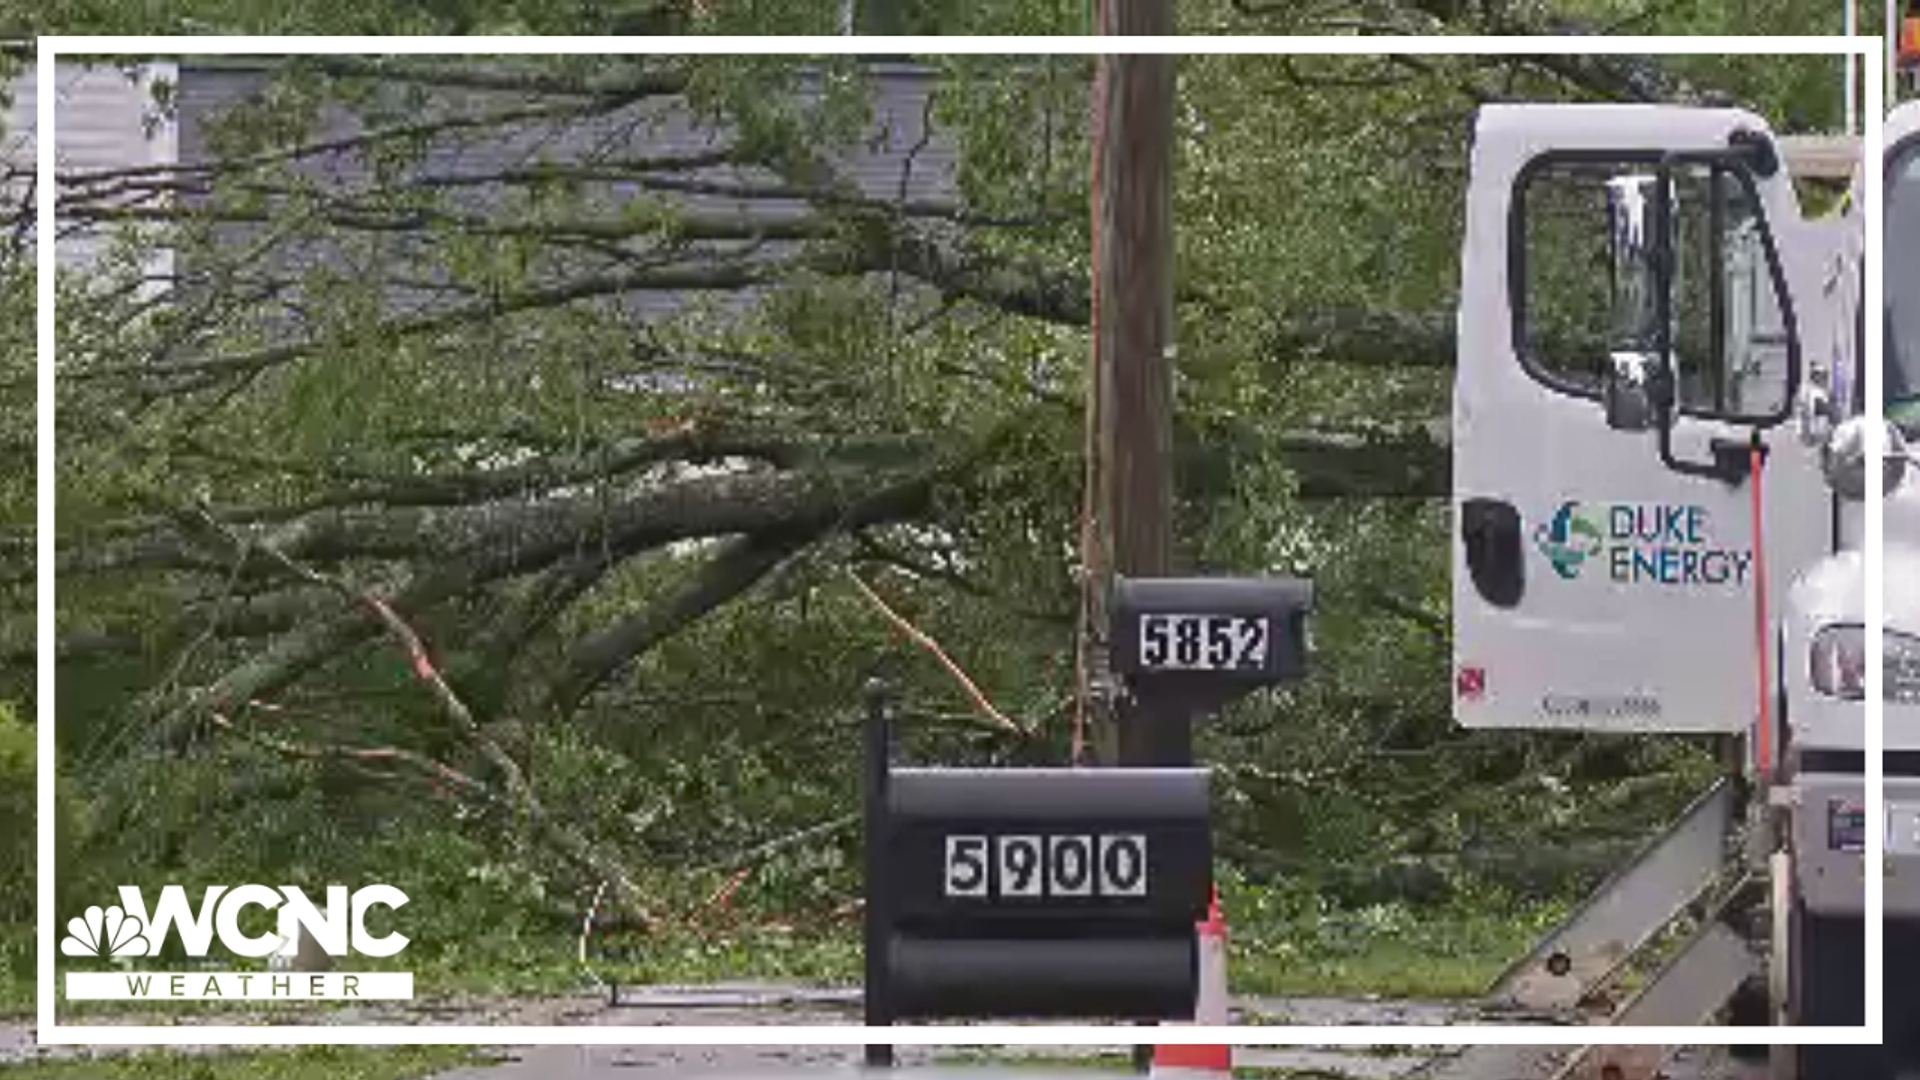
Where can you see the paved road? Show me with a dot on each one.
(925, 1063)
(836, 1062)
(768, 1004)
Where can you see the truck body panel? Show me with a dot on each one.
(1635, 609)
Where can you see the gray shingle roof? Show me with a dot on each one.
(897, 159)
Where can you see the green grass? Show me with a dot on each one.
(1393, 951)
(16, 966)
(1389, 973)
(16, 995)
(827, 960)
(1278, 946)
(1283, 942)
(301, 1063)
(553, 967)
(1436, 959)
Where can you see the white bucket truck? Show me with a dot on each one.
(1659, 467)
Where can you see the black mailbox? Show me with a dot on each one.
(1033, 892)
(1196, 643)
(1061, 850)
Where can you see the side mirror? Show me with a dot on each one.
(1814, 413)
(1629, 390)
(1844, 459)
(1637, 384)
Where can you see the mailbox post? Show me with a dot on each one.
(1066, 892)
(878, 738)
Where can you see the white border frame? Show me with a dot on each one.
(51, 1032)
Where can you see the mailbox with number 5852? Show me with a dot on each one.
(1193, 644)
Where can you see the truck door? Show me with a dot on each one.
(1636, 299)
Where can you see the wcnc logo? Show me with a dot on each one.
(131, 929)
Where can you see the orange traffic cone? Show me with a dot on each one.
(1209, 1010)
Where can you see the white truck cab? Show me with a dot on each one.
(1659, 467)
(1900, 512)
(1623, 360)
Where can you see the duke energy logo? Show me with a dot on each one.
(1568, 539)
(1642, 544)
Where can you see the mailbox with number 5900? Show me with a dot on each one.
(1032, 892)
(1068, 848)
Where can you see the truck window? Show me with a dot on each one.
(1582, 295)
(1902, 254)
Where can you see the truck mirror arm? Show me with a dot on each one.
(1731, 460)
(1731, 463)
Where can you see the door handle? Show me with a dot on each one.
(1490, 528)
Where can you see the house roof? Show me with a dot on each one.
(896, 160)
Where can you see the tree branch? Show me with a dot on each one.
(537, 536)
(420, 129)
(1367, 337)
(919, 637)
(1407, 463)
(735, 569)
(520, 793)
(501, 538)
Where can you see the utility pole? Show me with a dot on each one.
(877, 18)
(1891, 33)
(1130, 403)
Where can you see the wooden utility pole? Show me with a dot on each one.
(1130, 406)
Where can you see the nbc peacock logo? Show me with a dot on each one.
(1568, 539)
(108, 932)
